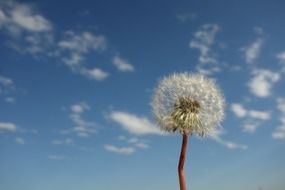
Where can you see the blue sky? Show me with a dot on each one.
(77, 77)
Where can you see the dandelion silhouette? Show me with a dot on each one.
(188, 104)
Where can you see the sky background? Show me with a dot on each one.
(77, 77)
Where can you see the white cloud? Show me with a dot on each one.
(119, 150)
(252, 51)
(95, 73)
(253, 117)
(83, 42)
(279, 132)
(6, 87)
(132, 145)
(28, 31)
(262, 115)
(203, 40)
(241, 112)
(18, 17)
(6, 82)
(134, 124)
(134, 142)
(262, 82)
(281, 104)
(122, 64)
(80, 107)
(238, 110)
(250, 127)
(75, 47)
(24, 17)
(33, 34)
(5, 126)
(82, 128)
(281, 58)
(20, 140)
(229, 144)
(138, 143)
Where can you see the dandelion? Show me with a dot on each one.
(188, 104)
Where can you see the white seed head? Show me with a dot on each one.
(188, 103)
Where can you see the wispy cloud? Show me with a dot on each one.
(252, 51)
(6, 82)
(119, 150)
(82, 127)
(203, 40)
(132, 145)
(262, 82)
(253, 118)
(74, 49)
(77, 45)
(229, 144)
(79, 108)
(134, 124)
(17, 17)
(6, 87)
(241, 112)
(29, 31)
(6, 126)
(279, 132)
(122, 64)
(281, 58)
(138, 143)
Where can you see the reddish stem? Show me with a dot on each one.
(182, 158)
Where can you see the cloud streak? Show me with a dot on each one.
(229, 144)
(6, 87)
(82, 127)
(119, 150)
(279, 132)
(122, 64)
(203, 40)
(281, 58)
(253, 118)
(134, 124)
(252, 51)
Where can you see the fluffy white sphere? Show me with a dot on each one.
(188, 103)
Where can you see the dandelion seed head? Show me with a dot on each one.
(188, 103)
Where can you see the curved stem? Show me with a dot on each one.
(182, 158)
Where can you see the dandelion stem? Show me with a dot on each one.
(182, 158)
